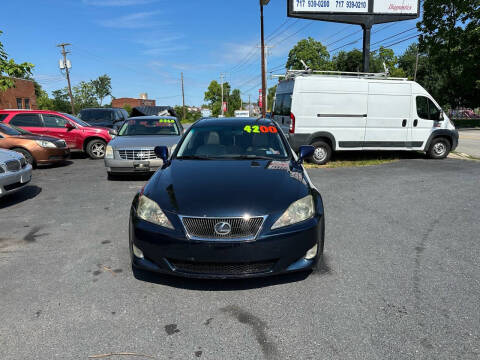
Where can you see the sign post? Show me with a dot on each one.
(358, 12)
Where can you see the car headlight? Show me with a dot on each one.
(149, 210)
(109, 152)
(298, 211)
(45, 144)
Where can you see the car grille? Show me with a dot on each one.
(222, 268)
(137, 154)
(13, 165)
(204, 228)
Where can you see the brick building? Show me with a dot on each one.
(22, 96)
(121, 102)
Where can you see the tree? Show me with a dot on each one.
(213, 96)
(84, 95)
(450, 36)
(312, 52)
(9, 69)
(61, 100)
(102, 87)
(385, 58)
(348, 61)
(234, 102)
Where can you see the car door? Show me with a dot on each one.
(426, 117)
(388, 118)
(29, 121)
(56, 126)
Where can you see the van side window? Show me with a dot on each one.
(426, 109)
(277, 109)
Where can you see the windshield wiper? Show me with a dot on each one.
(252, 157)
(194, 157)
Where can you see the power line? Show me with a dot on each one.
(397, 42)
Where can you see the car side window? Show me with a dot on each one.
(28, 120)
(54, 121)
(3, 117)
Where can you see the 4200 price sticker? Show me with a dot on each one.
(256, 129)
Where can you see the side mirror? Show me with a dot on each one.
(441, 116)
(69, 126)
(162, 153)
(305, 152)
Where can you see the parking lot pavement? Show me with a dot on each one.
(400, 280)
(469, 142)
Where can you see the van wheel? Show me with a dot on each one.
(28, 156)
(439, 148)
(96, 149)
(322, 154)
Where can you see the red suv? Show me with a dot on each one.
(79, 135)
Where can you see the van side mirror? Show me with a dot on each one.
(441, 117)
(305, 152)
(162, 153)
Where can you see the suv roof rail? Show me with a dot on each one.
(294, 73)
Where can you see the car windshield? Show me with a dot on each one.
(77, 120)
(93, 116)
(152, 126)
(242, 141)
(9, 130)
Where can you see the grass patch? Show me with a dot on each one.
(365, 158)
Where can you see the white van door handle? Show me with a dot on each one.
(404, 122)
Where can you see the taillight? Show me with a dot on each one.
(292, 124)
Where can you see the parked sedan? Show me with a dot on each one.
(15, 172)
(232, 201)
(132, 151)
(37, 149)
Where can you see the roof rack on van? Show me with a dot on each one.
(294, 73)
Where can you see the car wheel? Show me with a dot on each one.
(28, 156)
(96, 149)
(439, 148)
(322, 153)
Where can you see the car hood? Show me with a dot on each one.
(6, 155)
(227, 187)
(150, 141)
(37, 137)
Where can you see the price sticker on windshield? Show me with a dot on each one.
(166, 121)
(260, 129)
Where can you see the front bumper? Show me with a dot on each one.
(273, 252)
(11, 182)
(132, 166)
(50, 156)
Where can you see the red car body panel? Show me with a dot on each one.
(75, 137)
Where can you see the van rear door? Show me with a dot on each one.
(389, 108)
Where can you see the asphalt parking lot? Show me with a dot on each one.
(400, 279)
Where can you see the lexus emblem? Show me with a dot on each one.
(222, 228)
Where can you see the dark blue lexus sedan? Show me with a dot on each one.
(233, 200)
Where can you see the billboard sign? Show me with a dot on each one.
(354, 11)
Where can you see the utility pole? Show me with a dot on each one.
(64, 53)
(183, 98)
(264, 85)
(221, 84)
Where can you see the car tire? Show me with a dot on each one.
(322, 154)
(28, 156)
(439, 148)
(96, 149)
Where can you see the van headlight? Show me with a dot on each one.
(109, 152)
(149, 210)
(45, 144)
(298, 211)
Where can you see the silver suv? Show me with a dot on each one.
(15, 172)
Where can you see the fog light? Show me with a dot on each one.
(137, 252)
(311, 253)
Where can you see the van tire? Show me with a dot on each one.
(96, 149)
(439, 148)
(322, 154)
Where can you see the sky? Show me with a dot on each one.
(144, 45)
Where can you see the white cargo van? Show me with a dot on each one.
(338, 112)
